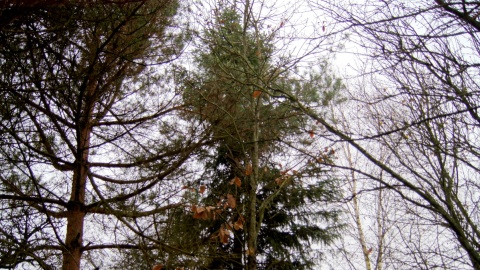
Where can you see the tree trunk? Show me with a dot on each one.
(73, 241)
(252, 227)
(252, 193)
(76, 205)
(356, 213)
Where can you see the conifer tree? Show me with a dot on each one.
(251, 211)
(85, 134)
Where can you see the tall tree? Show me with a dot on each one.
(248, 192)
(86, 140)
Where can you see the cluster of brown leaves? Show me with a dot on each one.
(212, 212)
(205, 213)
(238, 225)
(225, 229)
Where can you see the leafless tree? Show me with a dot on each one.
(421, 104)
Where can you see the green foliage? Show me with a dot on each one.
(79, 83)
(230, 94)
(294, 220)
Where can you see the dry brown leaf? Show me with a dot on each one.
(236, 181)
(208, 212)
(157, 267)
(232, 202)
(202, 189)
(256, 93)
(200, 213)
(238, 225)
(223, 234)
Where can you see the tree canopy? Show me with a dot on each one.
(215, 135)
(87, 136)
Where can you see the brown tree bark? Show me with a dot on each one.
(76, 206)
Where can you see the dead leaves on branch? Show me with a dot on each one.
(211, 212)
(205, 213)
(224, 234)
(286, 176)
(200, 190)
(231, 201)
(225, 229)
(236, 181)
(238, 225)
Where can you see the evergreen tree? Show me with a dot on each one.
(255, 214)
